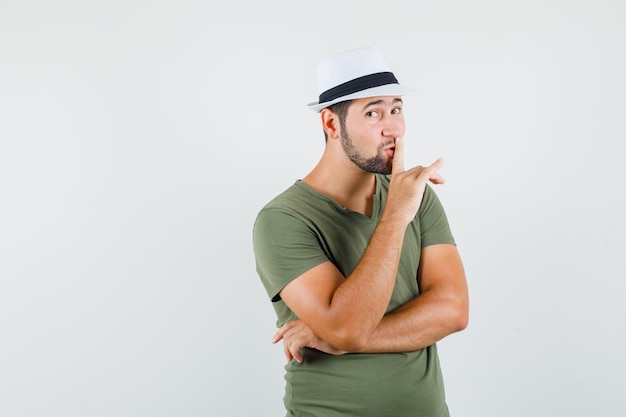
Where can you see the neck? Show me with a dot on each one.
(340, 179)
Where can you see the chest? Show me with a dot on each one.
(344, 241)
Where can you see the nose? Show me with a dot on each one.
(393, 127)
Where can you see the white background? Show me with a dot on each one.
(138, 140)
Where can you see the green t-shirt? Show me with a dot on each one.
(302, 228)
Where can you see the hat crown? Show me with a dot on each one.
(354, 74)
(349, 65)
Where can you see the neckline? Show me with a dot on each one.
(375, 197)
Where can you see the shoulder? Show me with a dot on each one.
(288, 197)
(302, 202)
(430, 200)
(293, 209)
(283, 205)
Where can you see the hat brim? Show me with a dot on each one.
(383, 90)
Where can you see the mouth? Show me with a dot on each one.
(389, 148)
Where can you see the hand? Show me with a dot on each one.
(407, 186)
(296, 335)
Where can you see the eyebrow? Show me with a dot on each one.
(381, 101)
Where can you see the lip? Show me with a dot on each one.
(390, 151)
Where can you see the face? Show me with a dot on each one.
(368, 135)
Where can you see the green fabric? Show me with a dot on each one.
(302, 228)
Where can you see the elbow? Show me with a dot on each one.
(351, 345)
(461, 316)
(461, 322)
(455, 314)
(349, 340)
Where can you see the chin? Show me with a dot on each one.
(386, 170)
(380, 170)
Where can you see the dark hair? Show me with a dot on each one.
(341, 110)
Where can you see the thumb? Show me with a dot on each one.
(398, 157)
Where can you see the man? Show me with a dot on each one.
(359, 261)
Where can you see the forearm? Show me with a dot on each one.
(442, 307)
(362, 298)
(417, 324)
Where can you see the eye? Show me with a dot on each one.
(396, 110)
(372, 114)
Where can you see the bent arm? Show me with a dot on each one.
(441, 309)
(344, 311)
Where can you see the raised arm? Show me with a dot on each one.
(346, 311)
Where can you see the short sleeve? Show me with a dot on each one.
(434, 227)
(285, 247)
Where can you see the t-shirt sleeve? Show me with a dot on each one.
(285, 247)
(434, 227)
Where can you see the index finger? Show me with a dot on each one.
(398, 156)
(281, 332)
(278, 336)
(430, 172)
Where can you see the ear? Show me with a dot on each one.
(330, 123)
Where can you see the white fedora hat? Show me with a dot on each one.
(353, 74)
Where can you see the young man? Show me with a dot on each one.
(359, 261)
